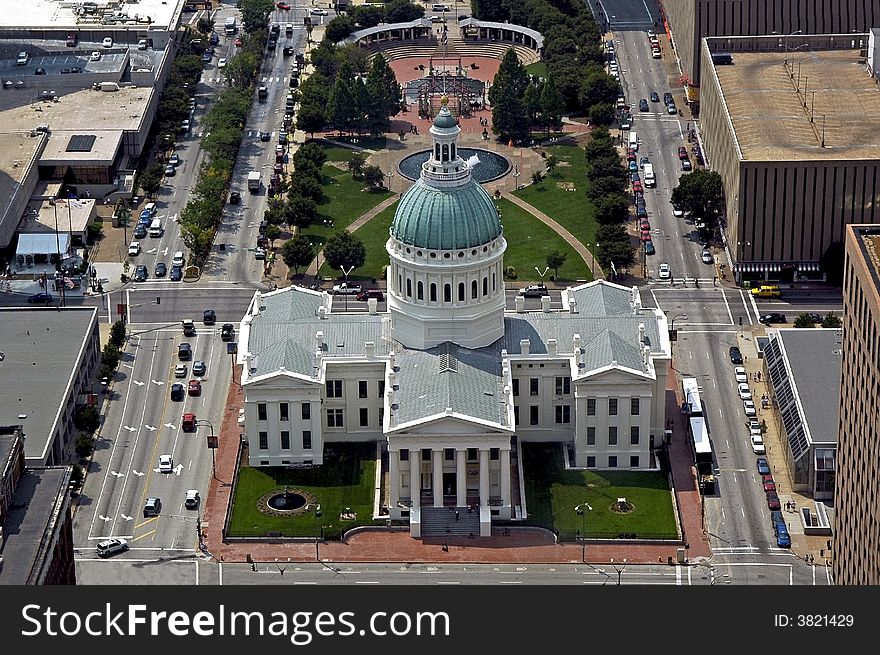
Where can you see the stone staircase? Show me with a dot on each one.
(436, 520)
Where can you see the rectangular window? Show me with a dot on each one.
(264, 441)
(591, 461)
(516, 414)
(364, 417)
(563, 386)
(472, 454)
(449, 454)
(612, 461)
(284, 411)
(362, 388)
(516, 386)
(612, 435)
(334, 418)
(533, 415)
(591, 435)
(426, 454)
(634, 406)
(307, 439)
(381, 388)
(285, 440)
(563, 413)
(591, 406)
(634, 461)
(334, 388)
(612, 407)
(533, 386)
(306, 411)
(404, 454)
(261, 411)
(634, 435)
(494, 453)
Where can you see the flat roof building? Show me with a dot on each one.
(793, 136)
(857, 492)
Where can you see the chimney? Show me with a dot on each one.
(524, 345)
(258, 301)
(391, 359)
(370, 349)
(551, 346)
(636, 300)
(646, 354)
(545, 303)
(573, 305)
(519, 303)
(319, 340)
(247, 361)
(322, 312)
(319, 357)
(577, 343)
(641, 333)
(371, 305)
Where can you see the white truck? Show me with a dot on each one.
(253, 181)
(229, 25)
(650, 180)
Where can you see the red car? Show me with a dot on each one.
(195, 388)
(283, 6)
(637, 187)
(370, 293)
(238, 43)
(769, 485)
(646, 236)
(682, 152)
(773, 500)
(630, 155)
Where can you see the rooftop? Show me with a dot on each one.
(868, 238)
(39, 499)
(66, 215)
(769, 117)
(41, 348)
(53, 14)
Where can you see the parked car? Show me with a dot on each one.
(762, 466)
(749, 408)
(643, 161)
(773, 500)
(140, 231)
(259, 253)
(283, 6)
(170, 171)
(370, 293)
(682, 152)
(107, 42)
(234, 198)
(174, 159)
(110, 547)
(740, 374)
(534, 291)
(686, 165)
(757, 444)
(134, 249)
(221, 63)
(768, 485)
(42, 297)
(706, 256)
(346, 289)
(735, 355)
(632, 166)
(95, 56)
(318, 11)
(744, 392)
(649, 247)
(677, 211)
(191, 499)
(773, 317)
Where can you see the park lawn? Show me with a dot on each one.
(539, 68)
(529, 241)
(571, 209)
(374, 234)
(345, 481)
(552, 493)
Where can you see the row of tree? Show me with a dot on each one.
(572, 50)
(521, 101)
(368, 15)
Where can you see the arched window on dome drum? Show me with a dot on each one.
(399, 282)
(493, 281)
(485, 286)
(445, 152)
(461, 292)
(474, 290)
(409, 288)
(433, 292)
(447, 293)
(420, 291)
(452, 151)
(437, 151)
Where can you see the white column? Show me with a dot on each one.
(393, 479)
(415, 477)
(460, 478)
(484, 477)
(437, 457)
(505, 477)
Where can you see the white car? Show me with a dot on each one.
(107, 43)
(677, 211)
(134, 249)
(744, 392)
(740, 373)
(166, 464)
(749, 408)
(221, 63)
(180, 370)
(664, 272)
(95, 56)
(317, 11)
(110, 547)
(259, 253)
(706, 256)
(758, 444)
(191, 500)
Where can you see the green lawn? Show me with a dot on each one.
(529, 241)
(570, 209)
(374, 234)
(539, 68)
(345, 481)
(552, 493)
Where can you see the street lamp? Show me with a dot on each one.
(389, 176)
(582, 510)
(345, 273)
(785, 44)
(593, 258)
(619, 570)
(538, 271)
(212, 443)
(741, 247)
(672, 321)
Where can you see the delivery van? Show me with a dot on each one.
(634, 141)
(156, 228)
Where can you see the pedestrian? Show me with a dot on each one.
(447, 530)
(746, 359)
(445, 546)
(471, 535)
(456, 515)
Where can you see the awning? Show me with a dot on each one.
(42, 244)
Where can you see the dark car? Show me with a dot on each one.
(176, 274)
(265, 136)
(43, 296)
(634, 177)
(288, 50)
(371, 293)
(735, 355)
(177, 392)
(762, 466)
(140, 231)
(649, 247)
(194, 388)
(655, 97)
(773, 317)
(234, 198)
(682, 152)
(534, 291)
(643, 105)
(140, 273)
(773, 500)
(209, 317)
(667, 98)
(161, 269)
(227, 333)
(184, 352)
(40, 71)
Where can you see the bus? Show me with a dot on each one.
(698, 431)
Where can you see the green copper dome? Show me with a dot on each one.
(446, 218)
(444, 119)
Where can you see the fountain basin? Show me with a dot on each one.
(491, 166)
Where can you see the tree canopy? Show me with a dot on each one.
(344, 249)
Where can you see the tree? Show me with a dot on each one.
(205, 24)
(117, 333)
(298, 252)
(700, 193)
(299, 211)
(84, 445)
(608, 184)
(338, 29)
(555, 259)
(374, 177)
(312, 152)
(86, 418)
(356, 165)
(602, 113)
(551, 163)
(368, 15)
(551, 105)
(612, 208)
(311, 117)
(804, 321)
(532, 102)
(340, 106)
(402, 11)
(360, 105)
(614, 246)
(344, 249)
(255, 14)
(151, 179)
(383, 93)
(109, 359)
(831, 321)
(509, 117)
(272, 232)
